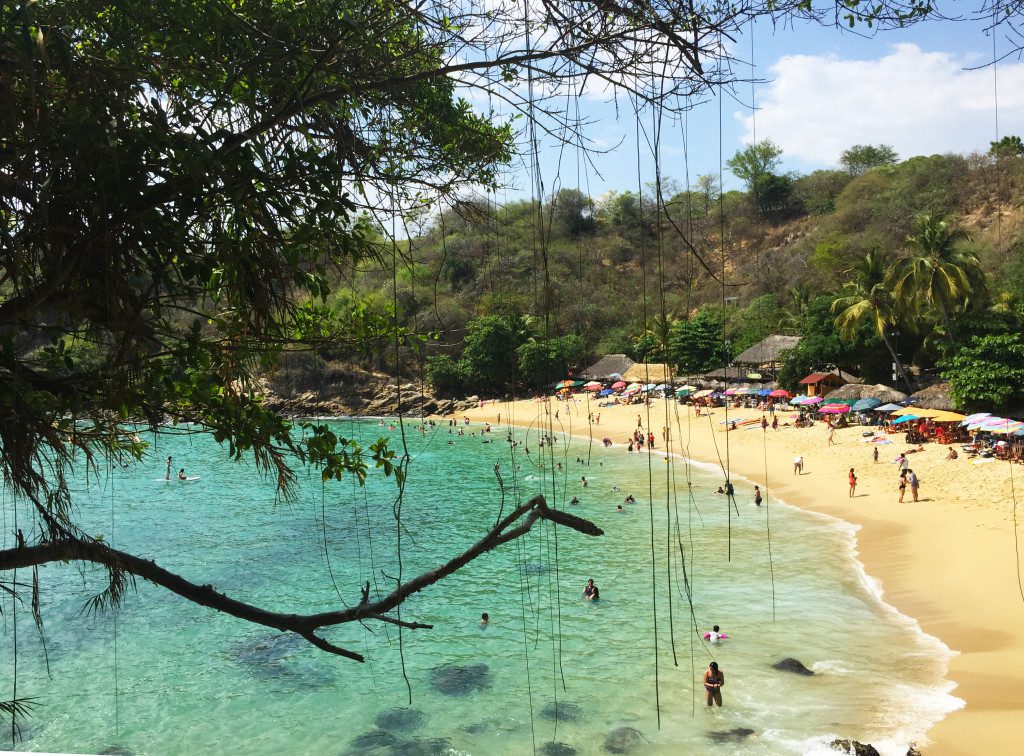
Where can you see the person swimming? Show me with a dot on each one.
(715, 635)
(574, 501)
(485, 619)
(630, 499)
(620, 509)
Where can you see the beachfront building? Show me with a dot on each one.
(649, 372)
(609, 366)
(766, 356)
(821, 384)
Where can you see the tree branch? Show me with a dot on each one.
(75, 549)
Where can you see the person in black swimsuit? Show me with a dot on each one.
(591, 593)
(714, 679)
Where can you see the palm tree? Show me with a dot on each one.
(938, 273)
(868, 298)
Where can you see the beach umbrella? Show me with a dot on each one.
(682, 391)
(832, 410)
(660, 387)
(729, 392)
(764, 392)
(866, 404)
(704, 393)
(619, 384)
(746, 390)
(605, 392)
(687, 387)
(888, 408)
(617, 376)
(1002, 425)
(780, 392)
(797, 400)
(649, 387)
(577, 383)
(812, 400)
(905, 419)
(633, 387)
(976, 416)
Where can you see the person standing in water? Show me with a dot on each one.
(167, 475)
(757, 496)
(591, 593)
(714, 679)
(485, 619)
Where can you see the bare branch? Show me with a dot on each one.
(75, 549)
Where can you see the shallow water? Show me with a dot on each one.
(183, 679)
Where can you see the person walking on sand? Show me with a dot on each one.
(714, 679)
(831, 435)
(775, 422)
(853, 483)
(874, 455)
(914, 483)
(903, 488)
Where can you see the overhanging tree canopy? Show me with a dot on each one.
(179, 179)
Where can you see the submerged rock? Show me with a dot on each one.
(455, 680)
(267, 649)
(562, 711)
(623, 740)
(400, 719)
(554, 748)
(853, 747)
(793, 665)
(735, 735)
(477, 728)
(425, 747)
(116, 750)
(371, 741)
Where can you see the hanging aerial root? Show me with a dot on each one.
(516, 524)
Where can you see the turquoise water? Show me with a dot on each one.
(163, 676)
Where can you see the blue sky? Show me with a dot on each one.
(822, 91)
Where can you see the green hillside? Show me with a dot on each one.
(926, 252)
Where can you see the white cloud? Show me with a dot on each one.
(919, 102)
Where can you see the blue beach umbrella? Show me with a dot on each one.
(763, 392)
(905, 418)
(605, 392)
(866, 404)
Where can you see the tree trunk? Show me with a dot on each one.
(899, 365)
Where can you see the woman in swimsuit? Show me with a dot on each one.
(714, 679)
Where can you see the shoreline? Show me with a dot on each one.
(946, 563)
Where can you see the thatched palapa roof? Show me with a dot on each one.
(934, 397)
(604, 367)
(767, 350)
(648, 372)
(867, 391)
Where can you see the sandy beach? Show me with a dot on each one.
(947, 560)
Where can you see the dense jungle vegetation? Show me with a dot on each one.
(920, 259)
